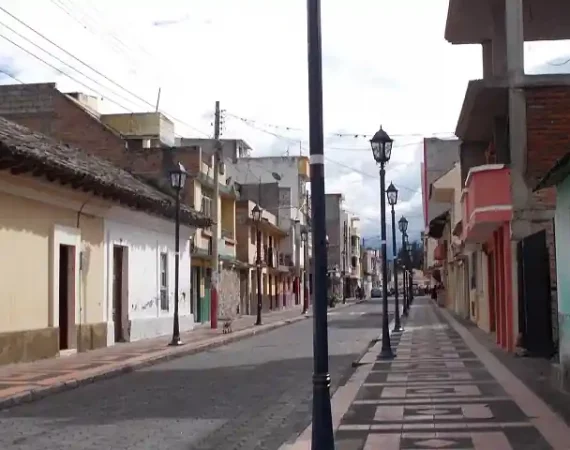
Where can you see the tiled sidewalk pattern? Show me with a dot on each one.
(436, 394)
(19, 380)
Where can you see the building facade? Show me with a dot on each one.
(512, 141)
(277, 289)
(139, 273)
(512, 130)
(280, 185)
(65, 216)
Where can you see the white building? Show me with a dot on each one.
(291, 173)
(139, 276)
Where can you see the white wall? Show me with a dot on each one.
(259, 170)
(146, 237)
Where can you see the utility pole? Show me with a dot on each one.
(215, 218)
(306, 288)
(344, 250)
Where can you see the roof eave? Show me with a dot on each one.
(556, 175)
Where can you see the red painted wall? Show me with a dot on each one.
(499, 246)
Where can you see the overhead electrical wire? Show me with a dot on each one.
(108, 35)
(345, 134)
(248, 122)
(326, 157)
(144, 101)
(9, 75)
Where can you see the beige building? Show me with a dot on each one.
(277, 288)
(54, 204)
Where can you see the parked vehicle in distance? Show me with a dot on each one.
(376, 293)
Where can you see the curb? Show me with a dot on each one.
(162, 356)
(342, 399)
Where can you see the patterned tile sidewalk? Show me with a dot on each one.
(445, 391)
(25, 382)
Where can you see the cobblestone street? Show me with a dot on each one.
(252, 394)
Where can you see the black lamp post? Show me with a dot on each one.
(305, 240)
(177, 181)
(411, 269)
(322, 431)
(381, 145)
(392, 194)
(403, 227)
(256, 214)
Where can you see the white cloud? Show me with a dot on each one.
(384, 62)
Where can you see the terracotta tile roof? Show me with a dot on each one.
(25, 151)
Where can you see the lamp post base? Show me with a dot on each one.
(322, 432)
(386, 353)
(175, 342)
(398, 329)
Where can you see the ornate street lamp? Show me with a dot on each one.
(256, 214)
(411, 273)
(177, 181)
(305, 239)
(403, 227)
(381, 145)
(392, 195)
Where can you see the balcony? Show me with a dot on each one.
(228, 234)
(285, 262)
(440, 252)
(270, 257)
(227, 249)
(486, 201)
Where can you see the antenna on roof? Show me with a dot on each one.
(158, 99)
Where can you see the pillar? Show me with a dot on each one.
(521, 193)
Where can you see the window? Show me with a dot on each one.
(253, 235)
(206, 206)
(164, 303)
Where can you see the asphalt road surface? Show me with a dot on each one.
(253, 394)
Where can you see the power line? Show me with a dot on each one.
(84, 64)
(326, 157)
(346, 134)
(85, 25)
(65, 63)
(60, 71)
(9, 75)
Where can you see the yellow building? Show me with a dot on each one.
(54, 201)
(200, 196)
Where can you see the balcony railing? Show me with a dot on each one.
(228, 234)
(285, 259)
(270, 257)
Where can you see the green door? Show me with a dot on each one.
(205, 306)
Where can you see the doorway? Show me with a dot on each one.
(119, 292)
(535, 305)
(66, 300)
(492, 292)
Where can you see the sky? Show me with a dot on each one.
(385, 63)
